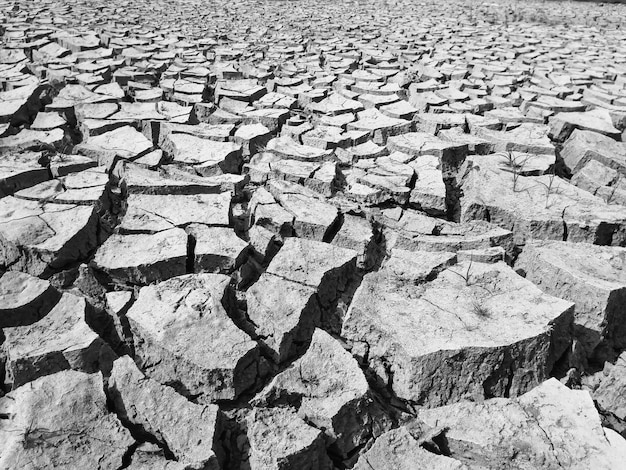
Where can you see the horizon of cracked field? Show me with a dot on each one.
(288, 235)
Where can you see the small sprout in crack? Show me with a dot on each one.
(514, 166)
(480, 310)
(550, 188)
(467, 276)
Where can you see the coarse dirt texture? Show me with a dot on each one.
(291, 235)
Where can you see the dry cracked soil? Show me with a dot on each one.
(296, 235)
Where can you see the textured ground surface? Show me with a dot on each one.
(312, 235)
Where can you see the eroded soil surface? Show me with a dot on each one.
(319, 235)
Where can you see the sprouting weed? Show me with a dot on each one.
(480, 310)
(514, 165)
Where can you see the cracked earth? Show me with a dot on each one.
(289, 235)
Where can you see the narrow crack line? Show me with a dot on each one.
(533, 418)
(157, 215)
(444, 310)
(47, 225)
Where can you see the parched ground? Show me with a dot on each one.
(289, 235)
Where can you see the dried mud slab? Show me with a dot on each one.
(61, 420)
(191, 432)
(436, 331)
(551, 426)
(330, 392)
(183, 337)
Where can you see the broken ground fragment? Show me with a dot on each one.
(137, 180)
(47, 122)
(149, 456)
(362, 151)
(275, 100)
(247, 90)
(285, 169)
(525, 164)
(583, 146)
(21, 170)
(227, 182)
(206, 157)
(155, 213)
(296, 294)
(429, 191)
(541, 207)
(87, 187)
(263, 242)
(608, 387)
(597, 120)
(61, 421)
(96, 111)
(399, 110)
(218, 132)
(510, 116)
(143, 258)
(601, 181)
(24, 299)
(379, 126)
(409, 222)
(483, 255)
(550, 426)
(527, 138)
(47, 236)
(326, 137)
(475, 144)
(450, 154)
(216, 249)
(436, 332)
(280, 440)
(184, 338)
(412, 230)
(124, 142)
(325, 180)
(283, 314)
(335, 104)
(551, 103)
(313, 218)
(252, 137)
(472, 235)
(116, 305)
(260, 166)
(63, 164)
(95, 119)
(590, 276)
(332, 395)
(399, 450)
(432, 123)
(137, 113)
(30, 139)
(17, 106)
(271, 118)
(287, 148)
(326, 268)
(265, 212)
(390, 175)
(191, 432)
(60, 340)
(356, 233)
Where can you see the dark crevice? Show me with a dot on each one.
(191, 253)
(136, 431)
(611, 421)
(443, 447)
(333, 229)
(128, 455)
